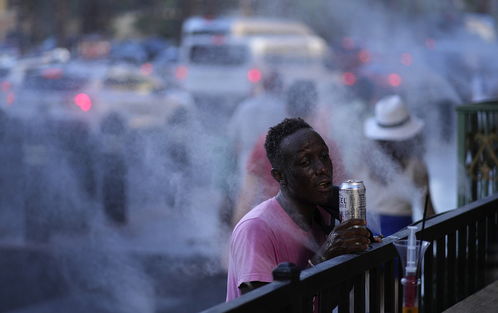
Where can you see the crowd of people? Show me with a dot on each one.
(285, 207)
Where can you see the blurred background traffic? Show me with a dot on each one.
(123, 142)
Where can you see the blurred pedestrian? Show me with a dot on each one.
(114, 169)
(395, 173)
(254, 116)
(301, 101)
(250, 120)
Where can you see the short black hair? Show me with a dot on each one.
(276, 135)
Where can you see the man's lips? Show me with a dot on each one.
(324, 185)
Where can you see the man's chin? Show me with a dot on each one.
(322, 201)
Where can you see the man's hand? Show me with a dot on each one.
(348, 237)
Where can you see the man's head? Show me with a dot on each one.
(278, 133)
(302, 98)
(300, 161)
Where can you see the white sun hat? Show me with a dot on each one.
(392, 121)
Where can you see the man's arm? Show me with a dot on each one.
(253, 252)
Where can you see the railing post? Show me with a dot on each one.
(287, 271)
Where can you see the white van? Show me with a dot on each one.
(227, 57)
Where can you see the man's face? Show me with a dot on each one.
(307, 168)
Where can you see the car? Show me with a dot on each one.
(89, 92)
(241, 50)
(143, 100)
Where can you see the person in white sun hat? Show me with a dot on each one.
(395, 175)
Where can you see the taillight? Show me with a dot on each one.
(52, 73)
(364, 56)
(349, 78)
(5, 85)
(394, 79)
(146, 68)
(181, 72)
(83, 101)
(254, 75)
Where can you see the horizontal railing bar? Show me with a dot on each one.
(446, 222)
(257, 299)
(478, 107)
(346, 267)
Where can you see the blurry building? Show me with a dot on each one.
(7, 19)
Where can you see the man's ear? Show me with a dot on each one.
(278, 176)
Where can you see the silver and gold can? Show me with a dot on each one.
(352, 202)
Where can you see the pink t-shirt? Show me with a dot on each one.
(263, 238)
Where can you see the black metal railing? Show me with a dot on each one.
(458, 262)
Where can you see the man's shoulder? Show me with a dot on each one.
(258, 226)
(260, 214)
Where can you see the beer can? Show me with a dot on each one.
(352, 202)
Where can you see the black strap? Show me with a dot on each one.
(333, 209)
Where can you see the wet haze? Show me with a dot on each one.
(174, 180)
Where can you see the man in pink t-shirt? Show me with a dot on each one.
(291, 227)
(264, 238)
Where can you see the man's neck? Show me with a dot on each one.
(300, 213)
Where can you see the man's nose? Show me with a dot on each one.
(320, 166)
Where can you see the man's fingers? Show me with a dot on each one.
(351, 223)
(350, 242)
(355, 245)
(353, 232)
(377, 239)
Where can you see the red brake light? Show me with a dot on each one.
(254, 75)
(181, 72)
(394, 80)
(364, 56)
(83, 101)
(349, 78)
(5, 86)
(146, 68)
(52, 73)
